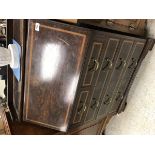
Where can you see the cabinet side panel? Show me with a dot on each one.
(19, 36)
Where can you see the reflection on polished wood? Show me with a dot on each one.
(53, 64)
(49, 76)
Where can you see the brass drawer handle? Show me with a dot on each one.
(110, 22)
(133, 64)
(95, 103)
(108, 65)
(84, 108)
(81, 109)
(119, 97)
(132, 27)
(122, 63)
(108, 100)
(95, 65)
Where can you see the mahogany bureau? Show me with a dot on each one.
(74, 76)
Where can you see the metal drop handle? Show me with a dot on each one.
(132, 27)
(82, 108)
(133, 64)
(108, 65)
(95, 65)
(119, 97)
(108, 100)
(96, 103)
(122, 63)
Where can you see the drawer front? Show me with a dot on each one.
(88, 78)
(54, 58)
(116, 74)
(114, 22)
(127, 22)
(82, 99)
(131, 66)
(133, 26)
(92, 64)
(107, 60)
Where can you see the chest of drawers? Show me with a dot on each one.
(73, 76)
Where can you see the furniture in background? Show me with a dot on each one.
(3, 40)
(74, 76)
(4, 126)
(130, 26)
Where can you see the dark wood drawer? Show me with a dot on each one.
(81, 105)
(122, 61)
(133, 26)
(92, 64)
(106, 65)
(125, 78)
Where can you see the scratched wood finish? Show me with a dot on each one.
(54, 57)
